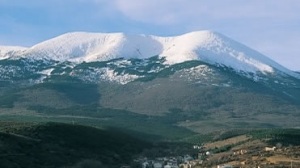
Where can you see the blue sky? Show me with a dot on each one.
(269, 26)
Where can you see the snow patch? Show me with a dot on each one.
(47, 72)
(104, 74)
(201, 73)
(123, 78)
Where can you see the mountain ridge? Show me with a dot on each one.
(208, 46)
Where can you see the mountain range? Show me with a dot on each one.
(197, 82)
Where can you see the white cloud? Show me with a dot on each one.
(177, 11)
(153, 11)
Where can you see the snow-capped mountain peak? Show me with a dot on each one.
(89, 47)
(207, 46)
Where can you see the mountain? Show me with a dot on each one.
(206, 46)
(170, 87)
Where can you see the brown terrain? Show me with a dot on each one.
(245, 152)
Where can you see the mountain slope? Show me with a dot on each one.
(191, 95)
(165, 86)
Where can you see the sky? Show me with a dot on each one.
(271, 27)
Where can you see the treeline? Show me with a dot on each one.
(273, 136)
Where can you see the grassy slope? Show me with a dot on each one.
(195, 107)
(57, 145)
(157, 106)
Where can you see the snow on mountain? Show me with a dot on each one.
(89, 47)
(8, 51)
(215, 48)
(207, 46)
